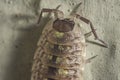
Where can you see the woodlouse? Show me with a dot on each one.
(61, 48)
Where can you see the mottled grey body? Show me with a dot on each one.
(60, 55)
(61, 48)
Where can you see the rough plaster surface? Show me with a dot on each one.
(19, 35)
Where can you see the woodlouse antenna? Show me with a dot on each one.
(92, 28)
(58, 13)
(75, 9)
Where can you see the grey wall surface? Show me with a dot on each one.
(19, 35)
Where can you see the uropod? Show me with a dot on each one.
(61, 48)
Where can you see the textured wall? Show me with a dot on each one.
(19, 35)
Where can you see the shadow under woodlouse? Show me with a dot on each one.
(33, 5)
(24, 48)
(22, 54)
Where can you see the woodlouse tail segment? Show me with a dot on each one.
(57, 13)
(92, 28)
(90, 59)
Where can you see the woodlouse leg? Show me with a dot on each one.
(57, 13)
(92, 28)
(88, 34)
(90, 59)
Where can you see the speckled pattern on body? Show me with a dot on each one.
(60, 55)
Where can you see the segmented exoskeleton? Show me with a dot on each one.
(61, 49)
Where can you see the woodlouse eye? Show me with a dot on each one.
(64, 25)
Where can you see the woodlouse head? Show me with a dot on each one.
(64, 25)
